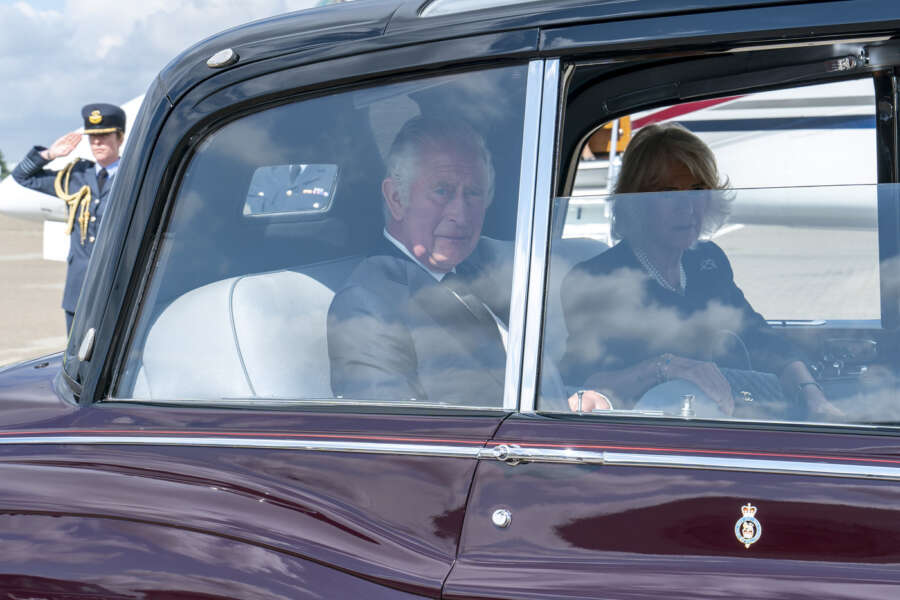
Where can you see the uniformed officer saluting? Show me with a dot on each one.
(83, 185)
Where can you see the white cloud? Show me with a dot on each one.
(54, 60)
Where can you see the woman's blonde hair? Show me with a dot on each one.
(646, 159)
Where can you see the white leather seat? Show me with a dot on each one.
(260, 335)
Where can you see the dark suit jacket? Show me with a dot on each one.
(397, 334)
(617, 316)
(30, 173)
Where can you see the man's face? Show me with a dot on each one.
(448, 196)
(105, 147)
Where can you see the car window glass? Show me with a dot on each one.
(353, 247)
(750, 293)
(804, 137)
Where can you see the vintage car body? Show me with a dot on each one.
(215, 488)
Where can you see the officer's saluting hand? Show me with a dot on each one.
(62, 147)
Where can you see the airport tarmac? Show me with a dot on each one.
(32, 323)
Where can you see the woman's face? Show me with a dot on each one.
(673, 221)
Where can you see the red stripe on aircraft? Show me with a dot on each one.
(678, 110)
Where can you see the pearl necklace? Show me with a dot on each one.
(657, 276)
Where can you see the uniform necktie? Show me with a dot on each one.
(102, 176)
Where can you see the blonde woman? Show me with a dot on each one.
(659, 316)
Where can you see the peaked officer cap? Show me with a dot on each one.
(103, 118)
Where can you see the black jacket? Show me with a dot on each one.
(618, 316)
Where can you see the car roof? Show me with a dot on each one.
(349, 28)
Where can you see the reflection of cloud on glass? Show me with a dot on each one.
(630, 211)
(473, 88)
(450, 363)
(620, 309)
(890, 276)
(250, 142)
(876, 398)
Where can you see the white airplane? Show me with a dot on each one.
(23, 203)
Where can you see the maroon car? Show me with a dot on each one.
(270, 392)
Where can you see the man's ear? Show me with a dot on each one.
(392, 199)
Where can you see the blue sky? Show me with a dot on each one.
(57, 55)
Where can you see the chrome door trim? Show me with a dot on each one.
(513, 455)
(276, 403)
(540, 235)
(316, 445)
(508, 453)
(524, 227)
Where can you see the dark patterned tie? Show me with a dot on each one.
(102, 176)
(459, 286)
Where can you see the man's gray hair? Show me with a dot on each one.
(646, 159)
(416, 134)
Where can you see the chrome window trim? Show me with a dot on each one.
(540, 235)
(315, 445)
(524, 230)
(515, 455)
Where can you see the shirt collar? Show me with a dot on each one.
(110, 170)
(438, 275)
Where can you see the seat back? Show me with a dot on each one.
(261, 335)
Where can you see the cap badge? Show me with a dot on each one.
(747, 529)
(95, 118)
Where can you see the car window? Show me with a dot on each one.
(727, 263)
(353, 247)
(799, 139)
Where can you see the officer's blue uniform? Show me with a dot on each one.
(30, 173)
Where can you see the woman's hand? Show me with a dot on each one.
(589, 400)
(818, 407)
(797, 382)
(705, 375)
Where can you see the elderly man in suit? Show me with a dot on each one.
(83, 185)
(424, 318)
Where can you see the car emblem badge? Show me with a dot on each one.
(747, 529)
(96, 118)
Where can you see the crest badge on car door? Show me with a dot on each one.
(748, 529)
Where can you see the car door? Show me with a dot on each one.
(216, 460)
(649, 501)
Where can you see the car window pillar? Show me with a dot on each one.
(886, 94)
(539, 236)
